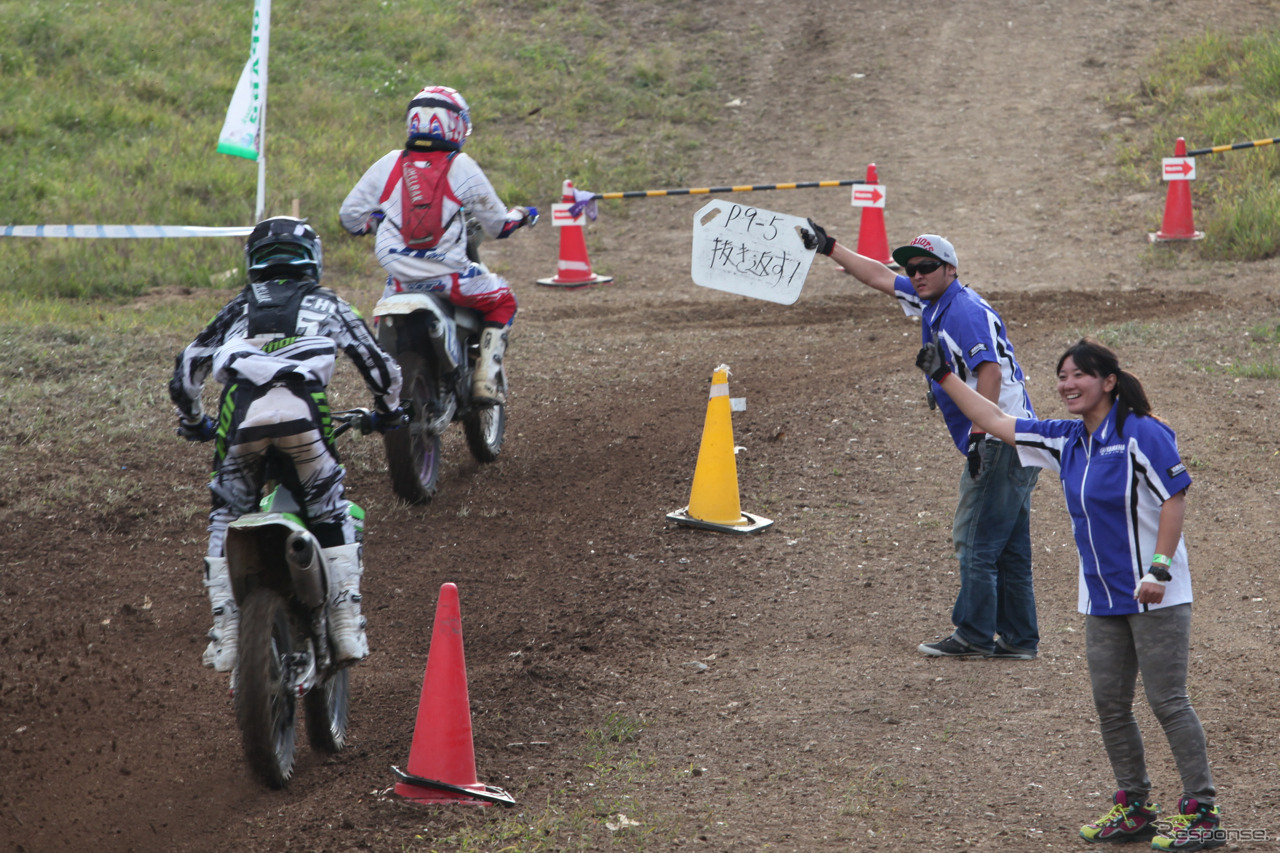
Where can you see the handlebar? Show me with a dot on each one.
(367, 421)
(346, 420)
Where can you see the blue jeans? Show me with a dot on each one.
(992, 535)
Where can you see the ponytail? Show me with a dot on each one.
(1096, 359)
(1132, 399)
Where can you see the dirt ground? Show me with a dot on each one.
(771, 682)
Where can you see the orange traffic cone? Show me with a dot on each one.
(713, 503)
(442, 760)
(574, 267)
(873, 241)
(1178, 223)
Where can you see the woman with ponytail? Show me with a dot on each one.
(1125, 488)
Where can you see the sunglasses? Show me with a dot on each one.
(925, 267)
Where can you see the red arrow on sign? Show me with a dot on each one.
(870, 195)
(1179, 167)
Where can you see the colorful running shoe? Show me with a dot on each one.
(1196, 826)
(1125, 822)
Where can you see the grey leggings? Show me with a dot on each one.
(1157, 644)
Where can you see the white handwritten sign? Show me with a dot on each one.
(750, 251)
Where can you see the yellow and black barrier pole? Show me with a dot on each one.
(741, 188)
(1235, 146)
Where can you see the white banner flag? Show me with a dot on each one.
(241, 133)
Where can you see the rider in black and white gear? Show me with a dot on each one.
(273, 347)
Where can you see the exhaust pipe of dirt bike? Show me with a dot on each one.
(304, 564)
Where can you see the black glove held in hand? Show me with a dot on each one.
(930, 360)
(976, 443)
(818, 239)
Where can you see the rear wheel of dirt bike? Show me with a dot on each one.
(328, 706)
(413, 453)
(266, 710)
(485, 428)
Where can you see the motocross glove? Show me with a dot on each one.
(530, 217)
(204, 429)
(930, 360)
(977, 441)
(817, 239)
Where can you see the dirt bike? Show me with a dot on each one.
(280, 582)
(436, 344)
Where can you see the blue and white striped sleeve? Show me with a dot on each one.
(1040, 443)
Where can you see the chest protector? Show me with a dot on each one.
(424, 176)
(273, 305)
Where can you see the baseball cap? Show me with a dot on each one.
(927, 246)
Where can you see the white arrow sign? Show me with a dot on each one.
(561, 215)
(868, 195)
(1179, 168)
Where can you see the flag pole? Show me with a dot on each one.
(265, 46)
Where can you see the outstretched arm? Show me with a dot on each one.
(870, 272)
(985, 414)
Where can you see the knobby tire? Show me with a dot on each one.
(328, 708)
(266, 710)
(413, 454)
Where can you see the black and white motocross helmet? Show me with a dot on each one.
(283, 247)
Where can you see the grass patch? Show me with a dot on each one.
(1130, 334)
(111, 120)
(1212, 90)
(594, 811)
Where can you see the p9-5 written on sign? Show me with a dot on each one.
(749, 251)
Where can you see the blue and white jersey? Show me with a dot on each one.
(1115, 486)
(970, 332)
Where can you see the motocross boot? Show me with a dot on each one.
(224, 637)
(487, 388)
(346, 623)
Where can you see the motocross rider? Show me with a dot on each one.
(274, 347)
(421, 232)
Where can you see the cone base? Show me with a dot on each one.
(430, 792)
(428, 797)
(574, 283)
(1162, 237)
(755, 523)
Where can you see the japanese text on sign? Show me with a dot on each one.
(749, 251)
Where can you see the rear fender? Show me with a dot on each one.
(257, 551)
(397, 325)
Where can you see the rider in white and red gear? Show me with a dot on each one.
(439, 122)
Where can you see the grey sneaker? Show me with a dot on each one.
(951, 647)
(1004, 652)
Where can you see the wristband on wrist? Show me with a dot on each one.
(1161, 560)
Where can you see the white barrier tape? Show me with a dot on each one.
(122, 232)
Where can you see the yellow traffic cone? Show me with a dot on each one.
(713, 503)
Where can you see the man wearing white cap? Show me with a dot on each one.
(995, 611)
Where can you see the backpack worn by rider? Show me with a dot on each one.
(273, 305)
(426, 182)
